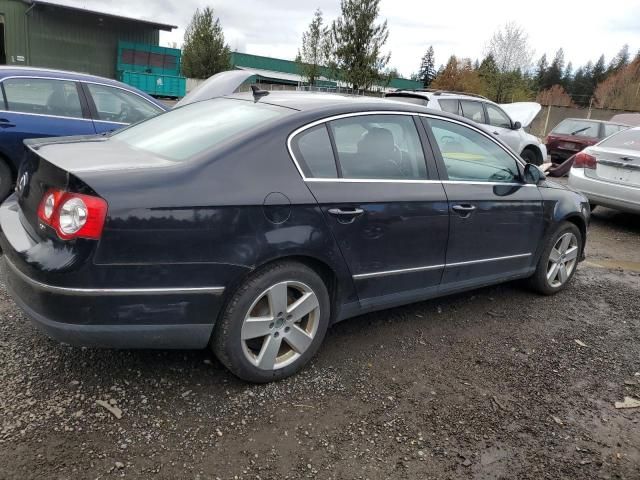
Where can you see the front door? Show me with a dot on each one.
(380, 198)
(496, 220)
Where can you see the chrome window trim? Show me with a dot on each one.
(38, 77)
(299, 130)
(14, 112)
(111, 291)
(384, 273)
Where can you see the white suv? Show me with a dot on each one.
(491, 115)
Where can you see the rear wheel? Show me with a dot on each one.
(559, 260)
(6, 180)
(530, 156)
(274, 323)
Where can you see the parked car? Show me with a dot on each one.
(609, 173)
(252, 223)
(51, 103)
(572, 135)
(485, 112)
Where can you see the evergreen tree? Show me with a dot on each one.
(427, 71)
(204, 52)
(620, 61)
(541, 71)
(567, 77)
(553, 75)
(599, 71)
(358, 41)
(312, 55)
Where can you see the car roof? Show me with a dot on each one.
(430, 93)
(13, 71)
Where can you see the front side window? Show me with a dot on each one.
(451, 106)
(575, 127)
(379, 147)
(470, 156)
(313, 151)
(472, 110)
(43, 96)
(187, 131)
(118, 105)
(497, 117)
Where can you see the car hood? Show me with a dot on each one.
(523, 112)
(219, 85)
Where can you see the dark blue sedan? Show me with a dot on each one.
(251, 223)
(52, 103)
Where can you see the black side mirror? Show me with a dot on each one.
(533, 174)
(517, 126)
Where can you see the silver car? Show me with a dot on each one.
(608, 173)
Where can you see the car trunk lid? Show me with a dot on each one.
(616, 165)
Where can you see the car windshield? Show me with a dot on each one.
(627, 140)
(187, 131)
(580, 128)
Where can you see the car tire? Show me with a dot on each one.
(530, 156)
(561, 253)
(6, 180)
(261, 336)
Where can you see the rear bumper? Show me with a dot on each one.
(50, 309)
(97, 315)
(604, 193)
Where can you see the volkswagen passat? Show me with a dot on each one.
(251, 223)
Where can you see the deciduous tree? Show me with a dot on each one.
(312, 56)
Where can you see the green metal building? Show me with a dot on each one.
(45, 34)
(286, 72)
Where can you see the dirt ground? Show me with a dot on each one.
(496, 383)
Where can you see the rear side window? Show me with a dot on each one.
(497, 117)
(472, 110)
(626, 140)
(118, 105)
(471, 156)
(379, 147)
(611, 128)
(43, 96)
(579, 128)
(313, 151)
(451, 106)
(187, 131)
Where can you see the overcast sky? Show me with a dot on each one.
(461, 27)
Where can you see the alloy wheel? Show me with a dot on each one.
(280, 325)
(562, 260)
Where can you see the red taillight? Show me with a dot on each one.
(73, 215)
(584, 160)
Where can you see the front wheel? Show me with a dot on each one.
(274, 323)
(559, 260)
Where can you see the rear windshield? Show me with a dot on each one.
(187, 131)
(407, 99)
(627, 140)
(580, 128)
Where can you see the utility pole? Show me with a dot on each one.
(590, 105)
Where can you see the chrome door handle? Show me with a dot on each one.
(463, 210)
(339, 212)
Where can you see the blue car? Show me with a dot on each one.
(50, 103)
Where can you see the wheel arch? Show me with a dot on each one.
(579, 222)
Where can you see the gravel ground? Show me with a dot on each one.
(496, 383)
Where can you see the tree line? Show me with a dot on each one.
(351, 49)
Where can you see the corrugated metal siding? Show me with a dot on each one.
(81, 42)
(15, 29)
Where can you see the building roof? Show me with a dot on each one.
(159, 26)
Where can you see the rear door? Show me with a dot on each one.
(618, 158)
(41, 107)
(380, 196)
(113, 108)
(496, 220)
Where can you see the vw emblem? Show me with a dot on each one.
(22, 182)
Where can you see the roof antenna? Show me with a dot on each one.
(258, 93)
